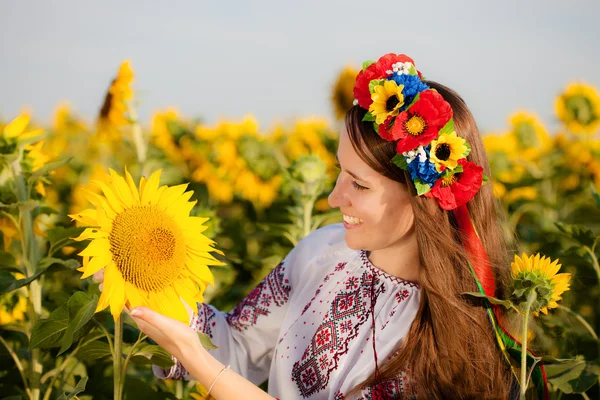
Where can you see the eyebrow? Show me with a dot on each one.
(358, 178)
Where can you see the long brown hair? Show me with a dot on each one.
(450, 350)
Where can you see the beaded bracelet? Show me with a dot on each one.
(217, 378)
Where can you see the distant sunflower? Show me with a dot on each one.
(15, 130)
(540, 274)
(152, 251)
(113, 113)
(342, 96)
(579, 108)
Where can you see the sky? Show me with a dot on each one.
(278, 59)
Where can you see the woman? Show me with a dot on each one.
(373, 308)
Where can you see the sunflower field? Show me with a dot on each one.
(244, 196)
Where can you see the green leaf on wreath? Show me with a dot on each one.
(421, 187)
(366, 64)
(400, 161)
(448, 128)
(373, 83)
(368, 117)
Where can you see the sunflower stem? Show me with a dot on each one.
(30, 260)
(581, 320)
(531, 297)
(118, 359)
(594, 261)
(138, 138)
(308, 206)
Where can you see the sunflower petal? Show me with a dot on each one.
(95, 265)
(150, 187)
(114, 202)
(97, 247)
(17, 126)
(121, 188)
(132, 187)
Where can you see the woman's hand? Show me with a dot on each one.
(172, 335)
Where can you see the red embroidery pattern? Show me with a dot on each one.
(396, 388)
(205, 320)
(400, 297)
(348, 311)
(274, 289)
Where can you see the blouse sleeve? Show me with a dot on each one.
(247, 335)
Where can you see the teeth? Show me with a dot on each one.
(352, 220)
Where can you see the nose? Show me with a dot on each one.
(337, 198)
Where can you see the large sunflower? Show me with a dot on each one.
(540, 274)
(151, 249)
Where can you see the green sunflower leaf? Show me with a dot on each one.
(448, 128)
(368, 117)
(421, 187)
(206, 342)
(400, 161)
(366, 64)
(94, 351)
(78, 389)
(579, 233)
(81, 310)
(505, 303)
(573, 376)
(373, 83)
(47, 332)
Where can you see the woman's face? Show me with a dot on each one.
(376, 209)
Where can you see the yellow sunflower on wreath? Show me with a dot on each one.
(152, 251)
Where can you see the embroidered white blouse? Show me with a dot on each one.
(308, 326)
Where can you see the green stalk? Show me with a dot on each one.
(118, 359)
(531, 297)
(30, 260)
(307, 214)
(595, 263)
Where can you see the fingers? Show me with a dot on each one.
(99, 276)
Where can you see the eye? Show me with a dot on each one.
(358, 187)
(337, 165)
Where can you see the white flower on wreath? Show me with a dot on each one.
(418, 152)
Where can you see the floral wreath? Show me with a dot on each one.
(404, 109)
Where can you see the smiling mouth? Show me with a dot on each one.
(352, 220)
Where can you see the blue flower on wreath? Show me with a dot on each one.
(412, 86)
(421, 167)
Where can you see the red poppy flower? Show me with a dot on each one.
(361, 88)
(376, 70)
(458, 189)
(421, 123)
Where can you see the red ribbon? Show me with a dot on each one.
(475, 251)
